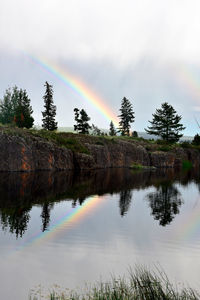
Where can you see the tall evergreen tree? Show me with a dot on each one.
(23, 111)
(15, 107)
(126, 117)
(112, 130)
(166, 124)
(6, 113)
(96, 130)
(49, 113)
(81, 118)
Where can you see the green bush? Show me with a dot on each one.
(61, 139)
(165, 148)
(136, 166)
(185, 145)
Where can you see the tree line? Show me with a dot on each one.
(15, 108)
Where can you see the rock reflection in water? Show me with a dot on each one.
(19, 192)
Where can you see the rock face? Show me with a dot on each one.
(119, 154)
(20, 154)
(30, 153)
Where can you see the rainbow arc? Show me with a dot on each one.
(79, 88)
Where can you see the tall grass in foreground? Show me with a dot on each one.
(141, 285)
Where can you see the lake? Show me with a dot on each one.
(70, 229)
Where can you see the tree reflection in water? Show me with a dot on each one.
(16, 220)
(125, 201)
(45, 215)
(165, 203)
(20, 192)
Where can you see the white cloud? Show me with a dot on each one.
(122, 31)
(118, 48)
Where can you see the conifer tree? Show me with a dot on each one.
(112, 130)
(15, 107)
(96, 130)
(23, 111)
(166, 124)
(6, 114)
(81, 118)
(49, 113)
(126, 117)
(134, 134)
(196, 140)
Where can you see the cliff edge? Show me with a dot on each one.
(31, 150)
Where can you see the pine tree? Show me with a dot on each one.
(15, 107)
(6, 113)
(134, 134)
(23, 111)
(96, 130)
(112, 130)
(81, 118)
(196, 140)
(126, 117)
(166, 124)
(49, 113)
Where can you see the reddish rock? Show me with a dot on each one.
(30, 153)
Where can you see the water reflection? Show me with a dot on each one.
(125, 201)
(165, 202)
(19, 192)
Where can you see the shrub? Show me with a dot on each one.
(165, 148)
(185, 144)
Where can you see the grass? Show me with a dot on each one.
(61, 139)
(136, 166)
(77, 142)
(140, 285)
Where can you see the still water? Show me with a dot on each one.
(69, 229)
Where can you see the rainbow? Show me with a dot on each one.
(190, 226)
(189, 79)
(78, 87)
(69, 219)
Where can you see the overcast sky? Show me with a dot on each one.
(145, 50)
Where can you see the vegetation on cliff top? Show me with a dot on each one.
(78, 142)
(15, 109)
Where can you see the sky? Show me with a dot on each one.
(145, 50)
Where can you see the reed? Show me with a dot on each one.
(141, 284)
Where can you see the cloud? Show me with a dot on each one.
(121, 31)
(117, 48)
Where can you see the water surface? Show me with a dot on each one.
(68, 229)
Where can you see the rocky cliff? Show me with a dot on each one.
(28, 151)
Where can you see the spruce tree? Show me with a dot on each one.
(112, 130)
(134, 134)
(15, 108)
(196, 140)
(81, 118)
(126, 117)
(6, 112)
(166, 124)
(96, 130)
(23, 111)
(49, 113)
